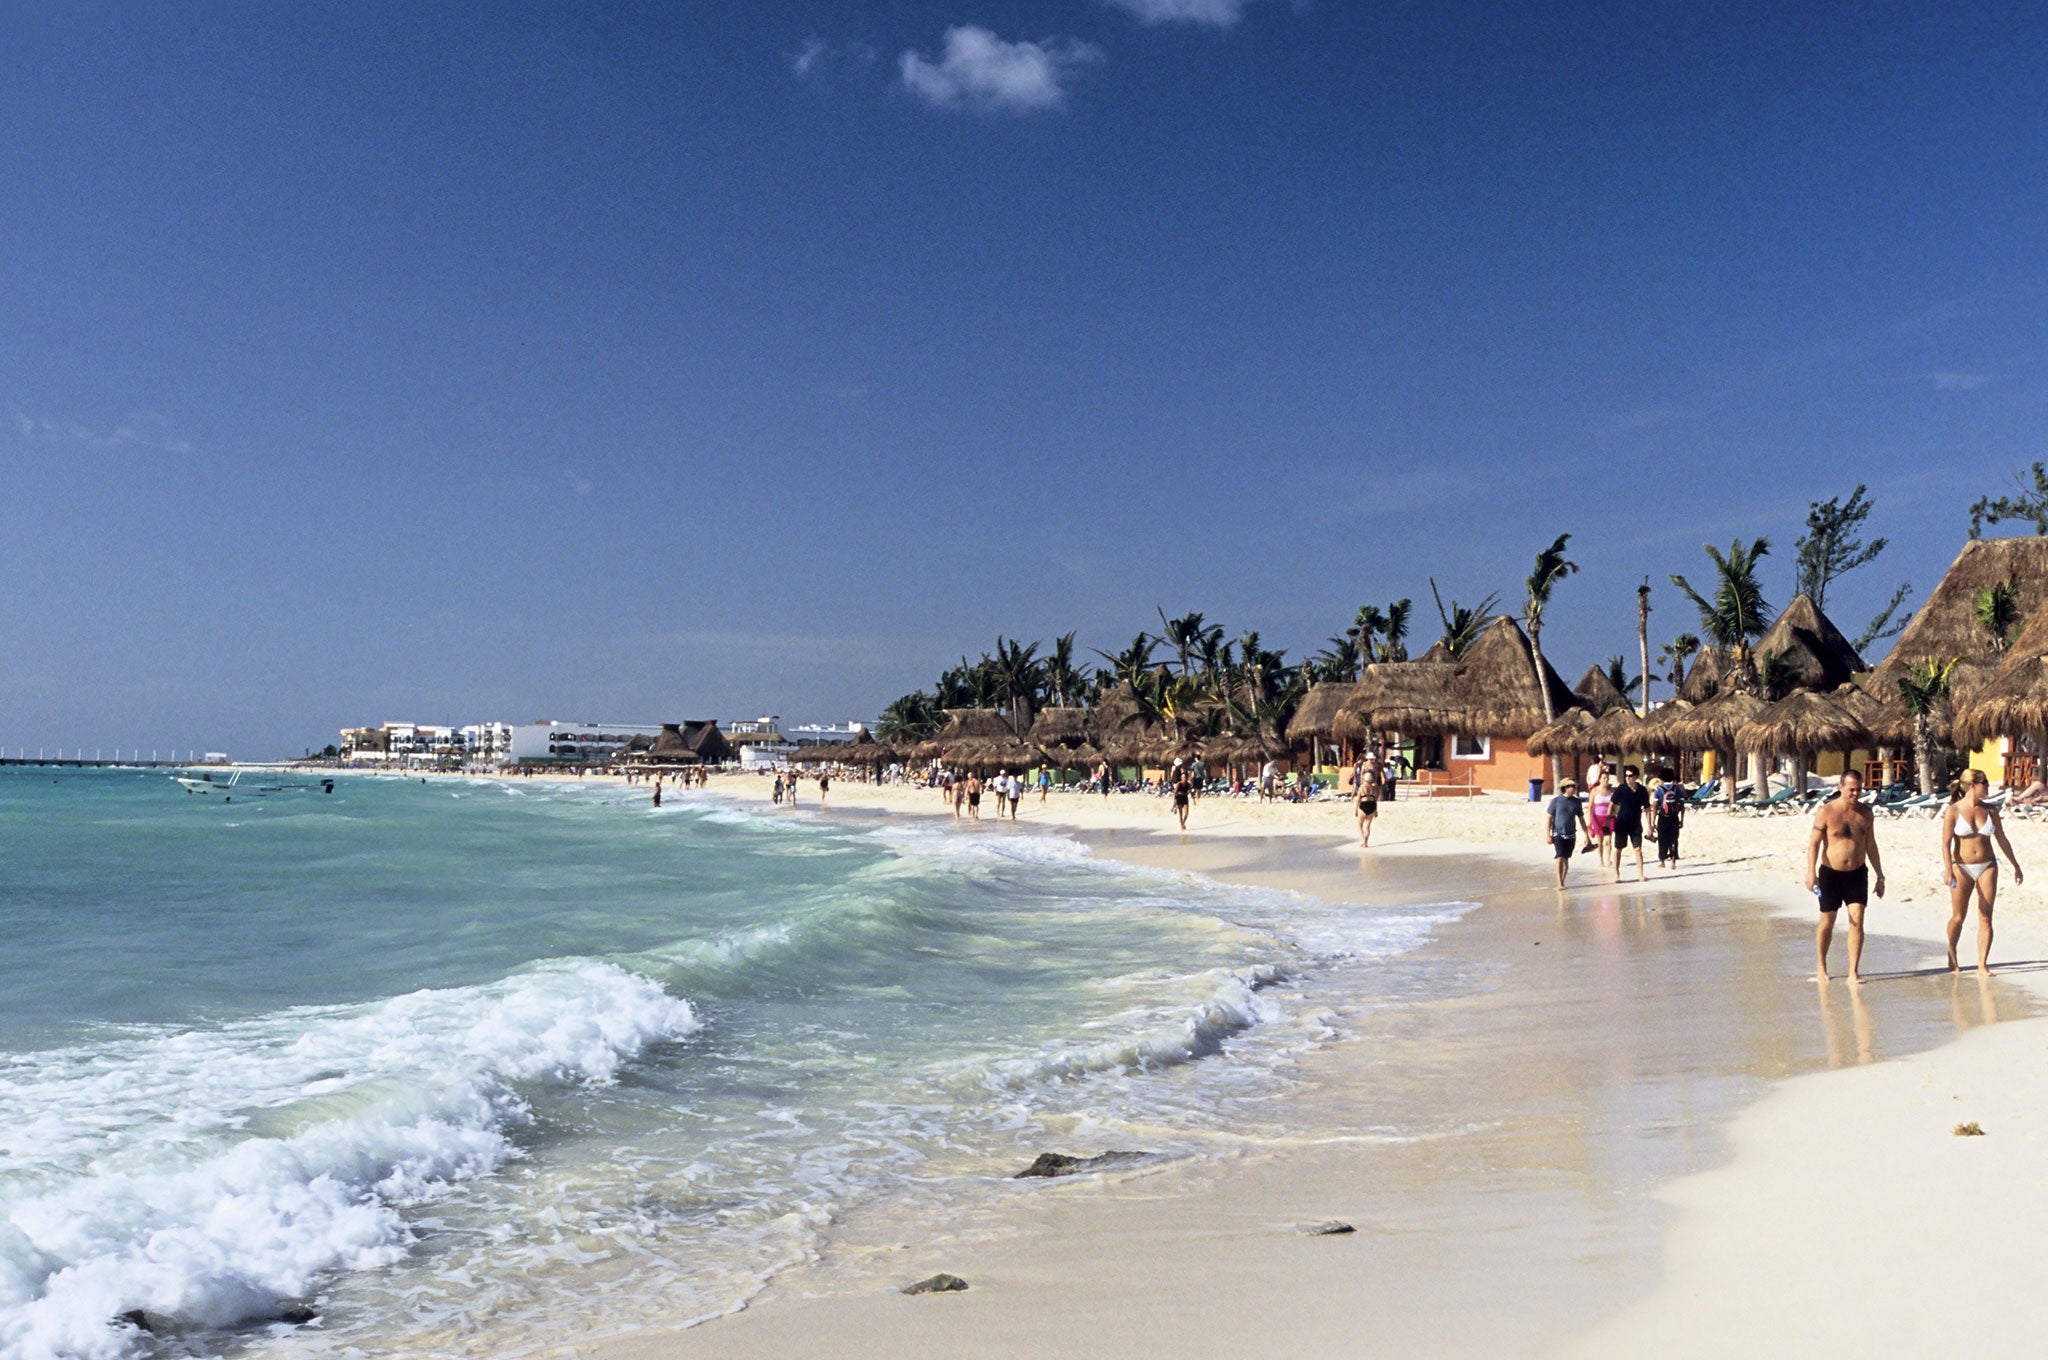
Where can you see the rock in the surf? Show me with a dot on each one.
(941, 1283)
(1051, 1164)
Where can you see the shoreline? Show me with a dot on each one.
(1147, 1247)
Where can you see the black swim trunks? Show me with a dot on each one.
(1839, 886)
(1565, 846)
(1628, 834)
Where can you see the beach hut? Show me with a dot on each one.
(1615, 733)
(2007, 716)
(1802, 725)
(1653, 737)
(1472, 719)
(1710, 666)
(1819, 656)
(1313, 726)
(1597, 691)
(1946, 628)
(1564, 738)
(685, 743)
(1061, 727)
(1716, 726)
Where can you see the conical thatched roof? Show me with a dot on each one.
(1496, 684)
(1820, 656)
(1615, 731)
(1802, 723)
(2013, 702)
(1887, 723)
(1061, 727)
(1315, 717)
(1563, 737)
(1653, 736)
(1415, 698)
(1596, 687)
(1491, 693)
(1438, 654)
(1710, 666)
(980, 724)
(1117, 729)
(670, 748)
(1715, 724)
(1945, 628)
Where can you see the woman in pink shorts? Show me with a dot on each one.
(1600, 816)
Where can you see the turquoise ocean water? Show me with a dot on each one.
(469, 1064)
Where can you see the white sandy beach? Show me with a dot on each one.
(1769, 1214)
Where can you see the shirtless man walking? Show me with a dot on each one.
(1841, 854)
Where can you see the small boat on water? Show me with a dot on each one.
(227, 783)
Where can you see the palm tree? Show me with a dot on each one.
(1737, 613)
(1462, 624)
(1675, 654)
(1064, 683)
(1128, 666)
(1618, 676)
(1338, 662)
(914, 717)
(1187, 635)
(1017, 676)
(1551, 567)
(1776, 674)
(1395, 626)
(1643, 638)
(1920, 689)
(1998, 611)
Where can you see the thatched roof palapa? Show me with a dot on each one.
(1802, 723)
(1415, 698)
(2013, 702)
(1715, 724)
(1821, 658)
(1945, 628)
(1492, 692)
(1563, 737)
(1061, 727)
(1710, 666)
(1653, 736)
(1315, 717)
(1438, 654)
(1615, 731)
(1886, 723)
(1597, 688)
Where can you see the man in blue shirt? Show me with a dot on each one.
(1565, 821)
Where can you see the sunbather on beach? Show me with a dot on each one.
(1969, 866)
(1841, 852)
(2033, 795)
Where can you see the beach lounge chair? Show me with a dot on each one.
(1764, 807)
(1704, 794)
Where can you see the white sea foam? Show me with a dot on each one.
(207, 1176)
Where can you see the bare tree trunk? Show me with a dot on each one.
(1549, 707)
(1643, 638)
(1923, 754)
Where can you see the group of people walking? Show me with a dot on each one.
(1618, 810)
(1844, 868)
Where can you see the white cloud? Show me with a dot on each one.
(816, 55)
(1948, 380)
(147, 430)
(808, 57)
(1216, 13)
(980, 70)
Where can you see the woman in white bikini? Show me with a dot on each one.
(1969, 865)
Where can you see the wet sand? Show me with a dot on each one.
(1587, 1058)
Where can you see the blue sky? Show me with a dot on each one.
(446, 362)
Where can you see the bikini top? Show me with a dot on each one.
(1966, 828)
